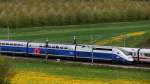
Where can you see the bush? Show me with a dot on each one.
(4, 71)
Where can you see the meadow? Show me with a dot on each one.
(136, 34)
(39, 72)
(21, 13)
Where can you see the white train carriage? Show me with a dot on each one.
(138, 54)
(144, 55)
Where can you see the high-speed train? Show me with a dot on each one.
(80, 51)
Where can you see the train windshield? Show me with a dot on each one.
(126, 52)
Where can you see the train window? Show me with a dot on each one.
(7, 43)
(57, 46)
(14, 44)
(65, 48)
(131, 53)
(30, 45)
(11, 44)
(147, 54)
(49, 46)
(83, 46)
(102, 49)
(61, 47)
(3, 43)
(126, 52)
(34, 45)
(42, 46)
(53, 46)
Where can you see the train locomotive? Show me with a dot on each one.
(80, 51)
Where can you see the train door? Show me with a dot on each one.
(134, 54)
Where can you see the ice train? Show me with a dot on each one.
(80, 51)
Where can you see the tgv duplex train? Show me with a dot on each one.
(79, 51)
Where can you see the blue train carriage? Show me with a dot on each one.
(61, 50)
(37, 49)
(13, 47)
(107, 53)
(40, 49)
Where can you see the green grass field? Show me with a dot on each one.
(81, 72)
(64, 34)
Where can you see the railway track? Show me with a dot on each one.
(135, 65)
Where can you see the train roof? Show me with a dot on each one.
(33, 42)
(108, 47)
(12, 41)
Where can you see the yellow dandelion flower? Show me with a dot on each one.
(28, 77)
(119, 38)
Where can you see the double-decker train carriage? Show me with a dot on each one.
(80, 51)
